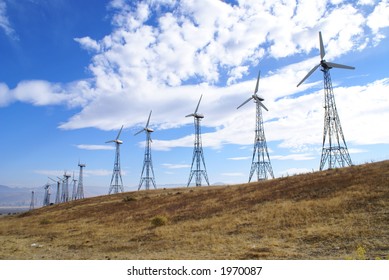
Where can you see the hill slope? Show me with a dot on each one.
(322, 215)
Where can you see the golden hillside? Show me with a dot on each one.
(321, 215)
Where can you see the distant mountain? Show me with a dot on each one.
(15, 196)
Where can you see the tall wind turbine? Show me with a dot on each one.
(147, 175)
(334, 148)
(80, 187)
(115, 187)
(198, 154)
(58, 194)
(261, 161)
(74, 190)
(46, 198)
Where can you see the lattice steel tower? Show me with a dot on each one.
(198, 155)
(147, 176)
(32, 203)
(115, 186)
(46, 198)
(334, 147)
(65, 188)
(260, 162)
(74, 189)
(80, 187)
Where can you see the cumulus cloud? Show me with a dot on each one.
(162, 55)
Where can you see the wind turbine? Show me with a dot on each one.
(260, 160)
(115, 187)
(58, 194)
(46, 198)
(80, 187)
(198, 154)
(74, 190)
(147, 163)
(334, 148)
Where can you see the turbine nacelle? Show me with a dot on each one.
(147, 129)
(195, 114)
(117, 141)
(255, 97)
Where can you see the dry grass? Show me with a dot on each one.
(323, 215)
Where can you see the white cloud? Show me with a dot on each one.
(175, 166)
(379, 18)
(239, 158)
(294, 171)
(293, 157)
(94, 147)
(4, 21)
(233, 174)
(88, 43)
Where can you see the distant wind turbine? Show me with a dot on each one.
(115, 186)
(260, 160)
(147, 175)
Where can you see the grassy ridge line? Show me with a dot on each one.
(321, 215)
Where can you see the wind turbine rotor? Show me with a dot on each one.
(199, 116)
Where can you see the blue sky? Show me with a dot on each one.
(73, 72)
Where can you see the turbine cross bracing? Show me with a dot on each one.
(260, 161)
(115, 185)
(334, 147)
(147, 175)
(198, 154)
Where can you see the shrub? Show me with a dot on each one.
(158, 221)
(129, 198)
(45, 222)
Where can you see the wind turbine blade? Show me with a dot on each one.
(335, 65)
(256, 87)
(322, 51)
(198, 104)
(110, 141)
(120, 131)
(191, 115)
(148, 120)
(139, 132)
(245, 102)
(260, 103)
(309, 74)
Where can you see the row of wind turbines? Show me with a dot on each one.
(334, 149)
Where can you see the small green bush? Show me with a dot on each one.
(158, 221)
